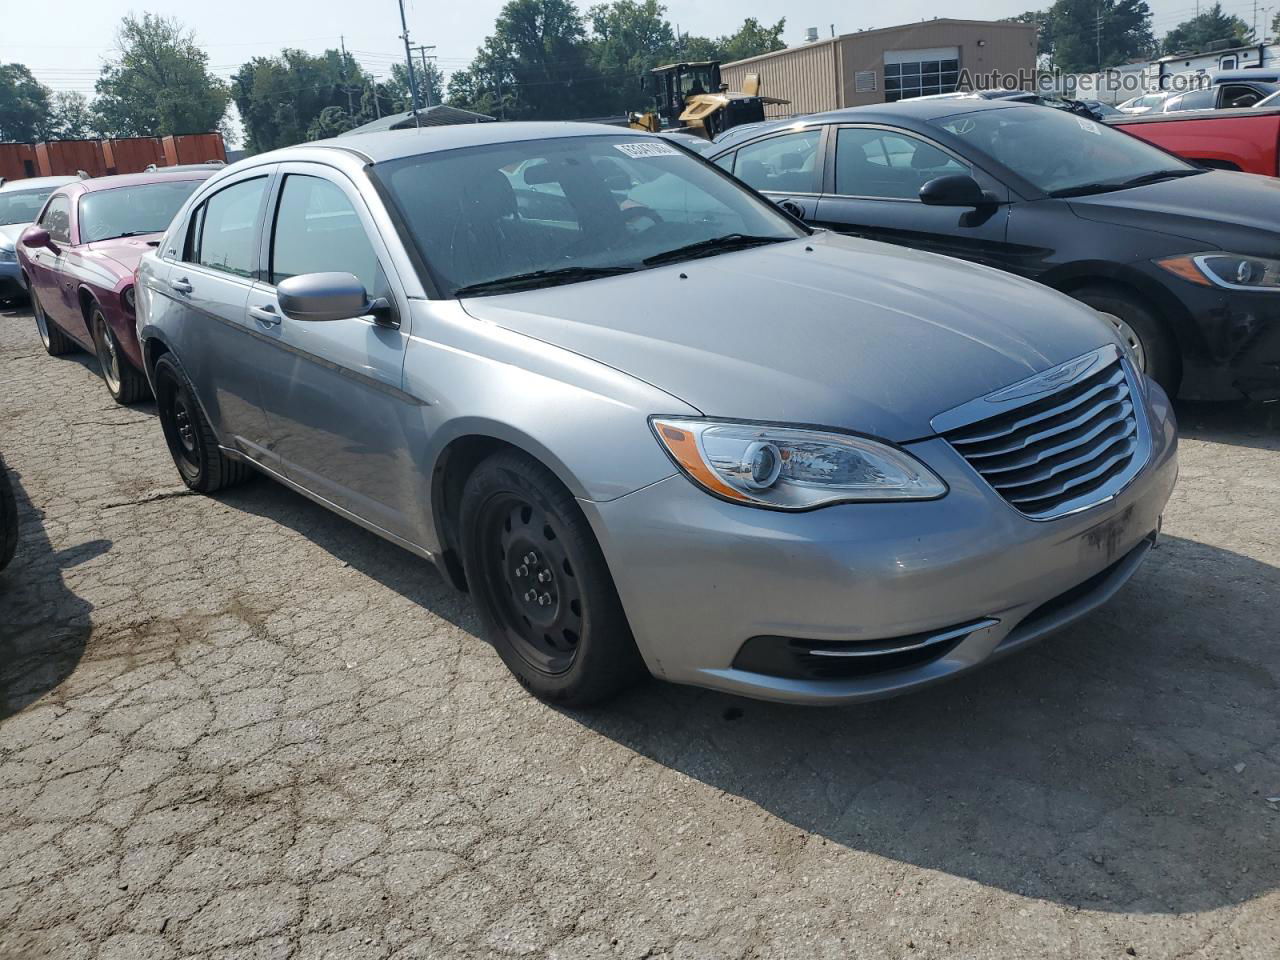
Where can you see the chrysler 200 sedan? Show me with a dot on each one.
(649, 420)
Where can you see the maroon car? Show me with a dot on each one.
(79, 257)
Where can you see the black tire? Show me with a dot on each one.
(1158, 345)
(521, 530)
(8, 518)
(124, 381)
(200, 462)
(56, 343)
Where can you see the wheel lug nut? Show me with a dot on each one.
(522, 571)
(530, 595)
(544, 576)
(544, 600)
(530, 558)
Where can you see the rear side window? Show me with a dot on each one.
(1195, 100)
(317, 230)
(56, 219)
(786, 164)
(225, 228)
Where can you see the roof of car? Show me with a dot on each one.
(137, 179)
(920, 110)
(387, 145)
(35, 183)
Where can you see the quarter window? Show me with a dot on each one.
(883, 163)
(317, 230)
(226, 227)
(786, 164)
(56, 219)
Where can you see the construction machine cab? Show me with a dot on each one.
(691, 97)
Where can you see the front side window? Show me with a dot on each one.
(56, 219)
(132, 211)
(317, 230)
(1236, 95)
(488, 219)
(227, 228)
(21, 206)
(884, 163)
(1060, 153)
(785, 164)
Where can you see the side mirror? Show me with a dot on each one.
(956, 190)
(37, 238)
(319, 297)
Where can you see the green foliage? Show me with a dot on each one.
(751, 40)
(1071, 40)
(24, 104)
(281, 99)
(71, 117)
(1197, 33)
(159, 83)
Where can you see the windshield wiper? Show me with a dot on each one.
(707, 248)
(1085, 189)
(1159, 175)
(540, 278)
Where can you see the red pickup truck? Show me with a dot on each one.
(1246, 139)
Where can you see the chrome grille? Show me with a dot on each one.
(1064, 450)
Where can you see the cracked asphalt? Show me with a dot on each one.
(241, 727)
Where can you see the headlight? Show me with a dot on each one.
(1229, 270)
(790, 468)
(128, 297)
(8, 255)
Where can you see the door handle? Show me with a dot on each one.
(265, 314)
(182, 285)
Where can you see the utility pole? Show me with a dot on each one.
(408, 59)
(1099, 38)
(426, 74)
(342, 41)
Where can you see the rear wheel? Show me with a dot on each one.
(56, 343)
(539, 579)
(201, 463)
(1151, 343)
(124, 381)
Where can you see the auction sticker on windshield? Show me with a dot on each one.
(639, 150)
(1088, 126)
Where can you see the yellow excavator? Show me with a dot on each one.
(690, 97)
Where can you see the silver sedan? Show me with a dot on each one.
(649, 421)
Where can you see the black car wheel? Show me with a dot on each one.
(56, 343)
(546, 599)
(1153, 346)
(125, 383)
(201, 463)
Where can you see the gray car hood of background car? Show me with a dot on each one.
(828, 330)
(10, 233)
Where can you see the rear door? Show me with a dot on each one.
(332, 390)
(785, 167)
(220, 346)
(872, 190)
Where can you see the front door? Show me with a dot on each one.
(873, 191)
(333, 389)
(46, 264)
(786, 168)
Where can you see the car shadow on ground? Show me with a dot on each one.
(1099, 770)
(1239, 424)
(44, 626)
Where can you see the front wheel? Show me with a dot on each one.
(124, 381)
(1150, 343)
(545, 597)
(56, 343)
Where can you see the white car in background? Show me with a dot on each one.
(20, 204)
(1147, 103)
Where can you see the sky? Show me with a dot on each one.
(64, 42)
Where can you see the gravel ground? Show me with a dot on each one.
(242, 727)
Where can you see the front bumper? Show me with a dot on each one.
(699, 577)
(1240, 354)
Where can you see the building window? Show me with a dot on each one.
(1228, 63)
(906, 77)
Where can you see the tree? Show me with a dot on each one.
(281, 99)
(628, 39)
(398, 92)
(1197, 33)
(71, 117)
(159, 84)
(24, 104)
(752, 39)
(1070, 38)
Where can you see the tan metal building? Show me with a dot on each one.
(893, 63)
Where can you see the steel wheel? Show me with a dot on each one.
(529, 571)
(181, 432)
(108, 355)
(1131, 339)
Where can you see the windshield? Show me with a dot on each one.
(696, 80)
(1056, 151)
(578, 206)
(130, 211)
(22, 206)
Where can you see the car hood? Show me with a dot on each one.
(124, 253)
(10, 232)
(830, 330)
(1219, 209)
